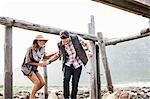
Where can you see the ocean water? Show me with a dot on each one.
(129, 64)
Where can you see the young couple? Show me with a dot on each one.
(73, 54)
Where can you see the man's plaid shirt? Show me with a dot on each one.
(75, 61)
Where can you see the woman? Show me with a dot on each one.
(34, 55)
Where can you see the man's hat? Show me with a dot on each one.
(64, 34)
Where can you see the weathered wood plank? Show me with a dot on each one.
(128, 5)
(143, 33)
(93, 78)
(46, 83)
(40, 28)
(8, 82)
(98, 71)
(101, 44)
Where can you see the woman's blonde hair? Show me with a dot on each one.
(35, 45)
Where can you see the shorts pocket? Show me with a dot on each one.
(27, 69)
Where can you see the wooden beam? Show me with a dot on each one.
(143, 33)
(40, 28)
(8, 82)
(101, 44)
(129, 5)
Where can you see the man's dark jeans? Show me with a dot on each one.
(68, 71)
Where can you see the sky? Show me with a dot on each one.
(71, 15)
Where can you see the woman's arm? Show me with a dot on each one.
(54, 57)
(47, 56)
(39, 64)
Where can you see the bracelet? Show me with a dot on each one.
(49, 62)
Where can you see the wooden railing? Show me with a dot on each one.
(9, 23)
(98, 44)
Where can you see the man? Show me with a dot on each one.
(72, 50)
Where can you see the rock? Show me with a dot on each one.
(52, 95)
(105, 95)
(1, 94)
(16, 96)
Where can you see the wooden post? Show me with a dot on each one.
(93, 81)
(46, 83)
(98, 71)
(101, 44)
(149, 22)
(8, 78)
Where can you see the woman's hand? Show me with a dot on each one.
(44, 64)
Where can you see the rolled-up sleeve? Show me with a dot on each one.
(27, 56)
(82, 41)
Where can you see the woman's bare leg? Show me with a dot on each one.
(42, 82)
(37, 84)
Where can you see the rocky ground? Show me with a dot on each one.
(125, 93)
